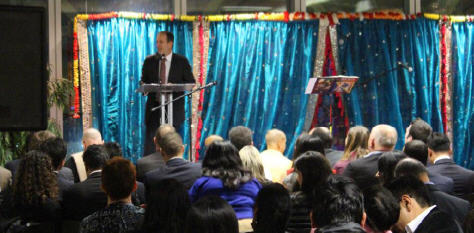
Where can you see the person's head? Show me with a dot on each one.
(324, 134)
(339, 201)
(211, 214)
(272, 209)
(91, 136)
(34, 180)
(95, 157)
(382, 138)
(167, 205)
(171, 145)
(416, 149)
(56, 149)
(222, 161)
(113, 149)
(386, 165)
(251, 161)
(313, 169)
(160, 133)
(118, 179)
(356, 141)
(412, 167)
(306, 142)
(412, 196)
(438, 144)
(381, 207)
(240, 136)
(418, 130)
(212, 138)
(35, 139)
(276, 140)
(164, 42)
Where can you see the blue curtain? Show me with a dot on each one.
(463, 93)
(261, 69)
(370, 47)
(117, 49)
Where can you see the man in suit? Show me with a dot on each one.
(382, 138)
(418, 130)
(185, 172)
(439, 155)
(456, 207)
(332, 155)
(155, 160)
(417, 215)
(164, 67)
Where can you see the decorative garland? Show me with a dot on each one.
(75, 52)
(201, 94)
(443, 76)
(452, 18)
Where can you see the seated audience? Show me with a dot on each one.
(355, 147)
(439, 151)
(382, 209)
(153, 161)
(313, 169)
(5, 178)
(120, 215)
(86, 197)
(33, 197)
(418, 130)
(212, 138)
(417, 215)
(452, 205)
(90, 136)
(338, 207)
(240, 136)
(224, 176)
(272, 158)
(167, 206)
(172, 149)
(386, 166)
(272, 209)
(418, 150)
(382, 139)
(251, 161)
(113, 149)
(325, 135)
(211, 214)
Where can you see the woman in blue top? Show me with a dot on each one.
(224, 176)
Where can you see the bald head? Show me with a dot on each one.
(382, 138)
(276, 140)
(91, 136)
(209, 140)
(161, 132)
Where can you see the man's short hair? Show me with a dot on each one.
(212, 138)
(240, 136)
(381, 207)
(118, 178)
(339, 201)
(439, 142)
(171, 144)
(35, 139)
(306, 142)
(274, 136)
(324, 134)
(420, 130)
(411, 186)
(113, 149)
(162, 130)
(169, 36)
(417, 149)
(385, 135)
(410, 167)
(56, 149)
(95, 157)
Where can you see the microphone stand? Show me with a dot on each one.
(376, 76)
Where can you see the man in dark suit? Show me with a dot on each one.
(185, 172)
(417, 215)
(164, 67)
(439, 152)
(456, 207)
(382, 138)
(418, 130)
(332, 155)
(155, 160)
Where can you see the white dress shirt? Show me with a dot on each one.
(411, 226)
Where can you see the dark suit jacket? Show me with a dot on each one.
(72, 165)
(463, 178)
(148, 163)
(443, 183)
(363, 170)
(179, 169)
(454, 206)
(63, 184)
(180, 72)
(438, 222)
(333, 155)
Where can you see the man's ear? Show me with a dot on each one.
(364, 219)
(406, 202)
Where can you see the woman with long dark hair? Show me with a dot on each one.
(272, 209)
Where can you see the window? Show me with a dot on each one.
(448, 7)
(353, 5)
(230, 7)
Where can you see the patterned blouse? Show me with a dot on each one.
(117, 217)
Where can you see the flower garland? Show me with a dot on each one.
(444, 71)
(201, 94)
(75, 52)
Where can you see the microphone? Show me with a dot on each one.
(405, 66)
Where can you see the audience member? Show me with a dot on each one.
(313, 169)
(120, 215)
(86, 197)
(382, 209)
(240, 136)
(167, 205)
(439, 151)
(418, 150)
(452, 205)
(272, 209)
(113, 149)
(355, 147)
(338, 207)
(211, 214)
(153, 161)
(90, 136)
(172, 149)
(382, 138)
(418, 130)
(5, 178)
(417, 215)
(251, 161)
(273, 159)
(386, 165)
(325, 135)
(212, 138)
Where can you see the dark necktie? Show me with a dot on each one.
(163, 70)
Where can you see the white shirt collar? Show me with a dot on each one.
(96, 171)
(411, 226)
(372, 153)
(441, 157)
